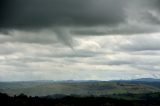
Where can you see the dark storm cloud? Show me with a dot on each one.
(65, 18)
(157, 3)
(45, 13)
(112, 15)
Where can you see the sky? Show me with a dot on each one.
(79, 39)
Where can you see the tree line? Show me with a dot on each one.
(152, 99)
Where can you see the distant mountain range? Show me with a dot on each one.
(81, 81)
(140, 79)
(148, 80)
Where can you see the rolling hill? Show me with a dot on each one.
(81, 88)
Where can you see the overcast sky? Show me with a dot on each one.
(79, 39)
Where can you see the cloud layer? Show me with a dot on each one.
(118, 15)
(79, 39)
(40, 13)
(94, 58)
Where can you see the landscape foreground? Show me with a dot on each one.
(141, 92)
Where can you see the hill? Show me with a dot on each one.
(81, 88)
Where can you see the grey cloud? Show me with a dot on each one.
(38, 37)
(153, 17)
(31, 33)
(122, 29)
(109, 62)
(141, 43)
(113, 62)
(7, 49)
(139, 62)
(72, 54)
(35, 14)
(148, 52)
(147, 67)
(64, 36)
(30, 14)
(88, 31)
(66, 18)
